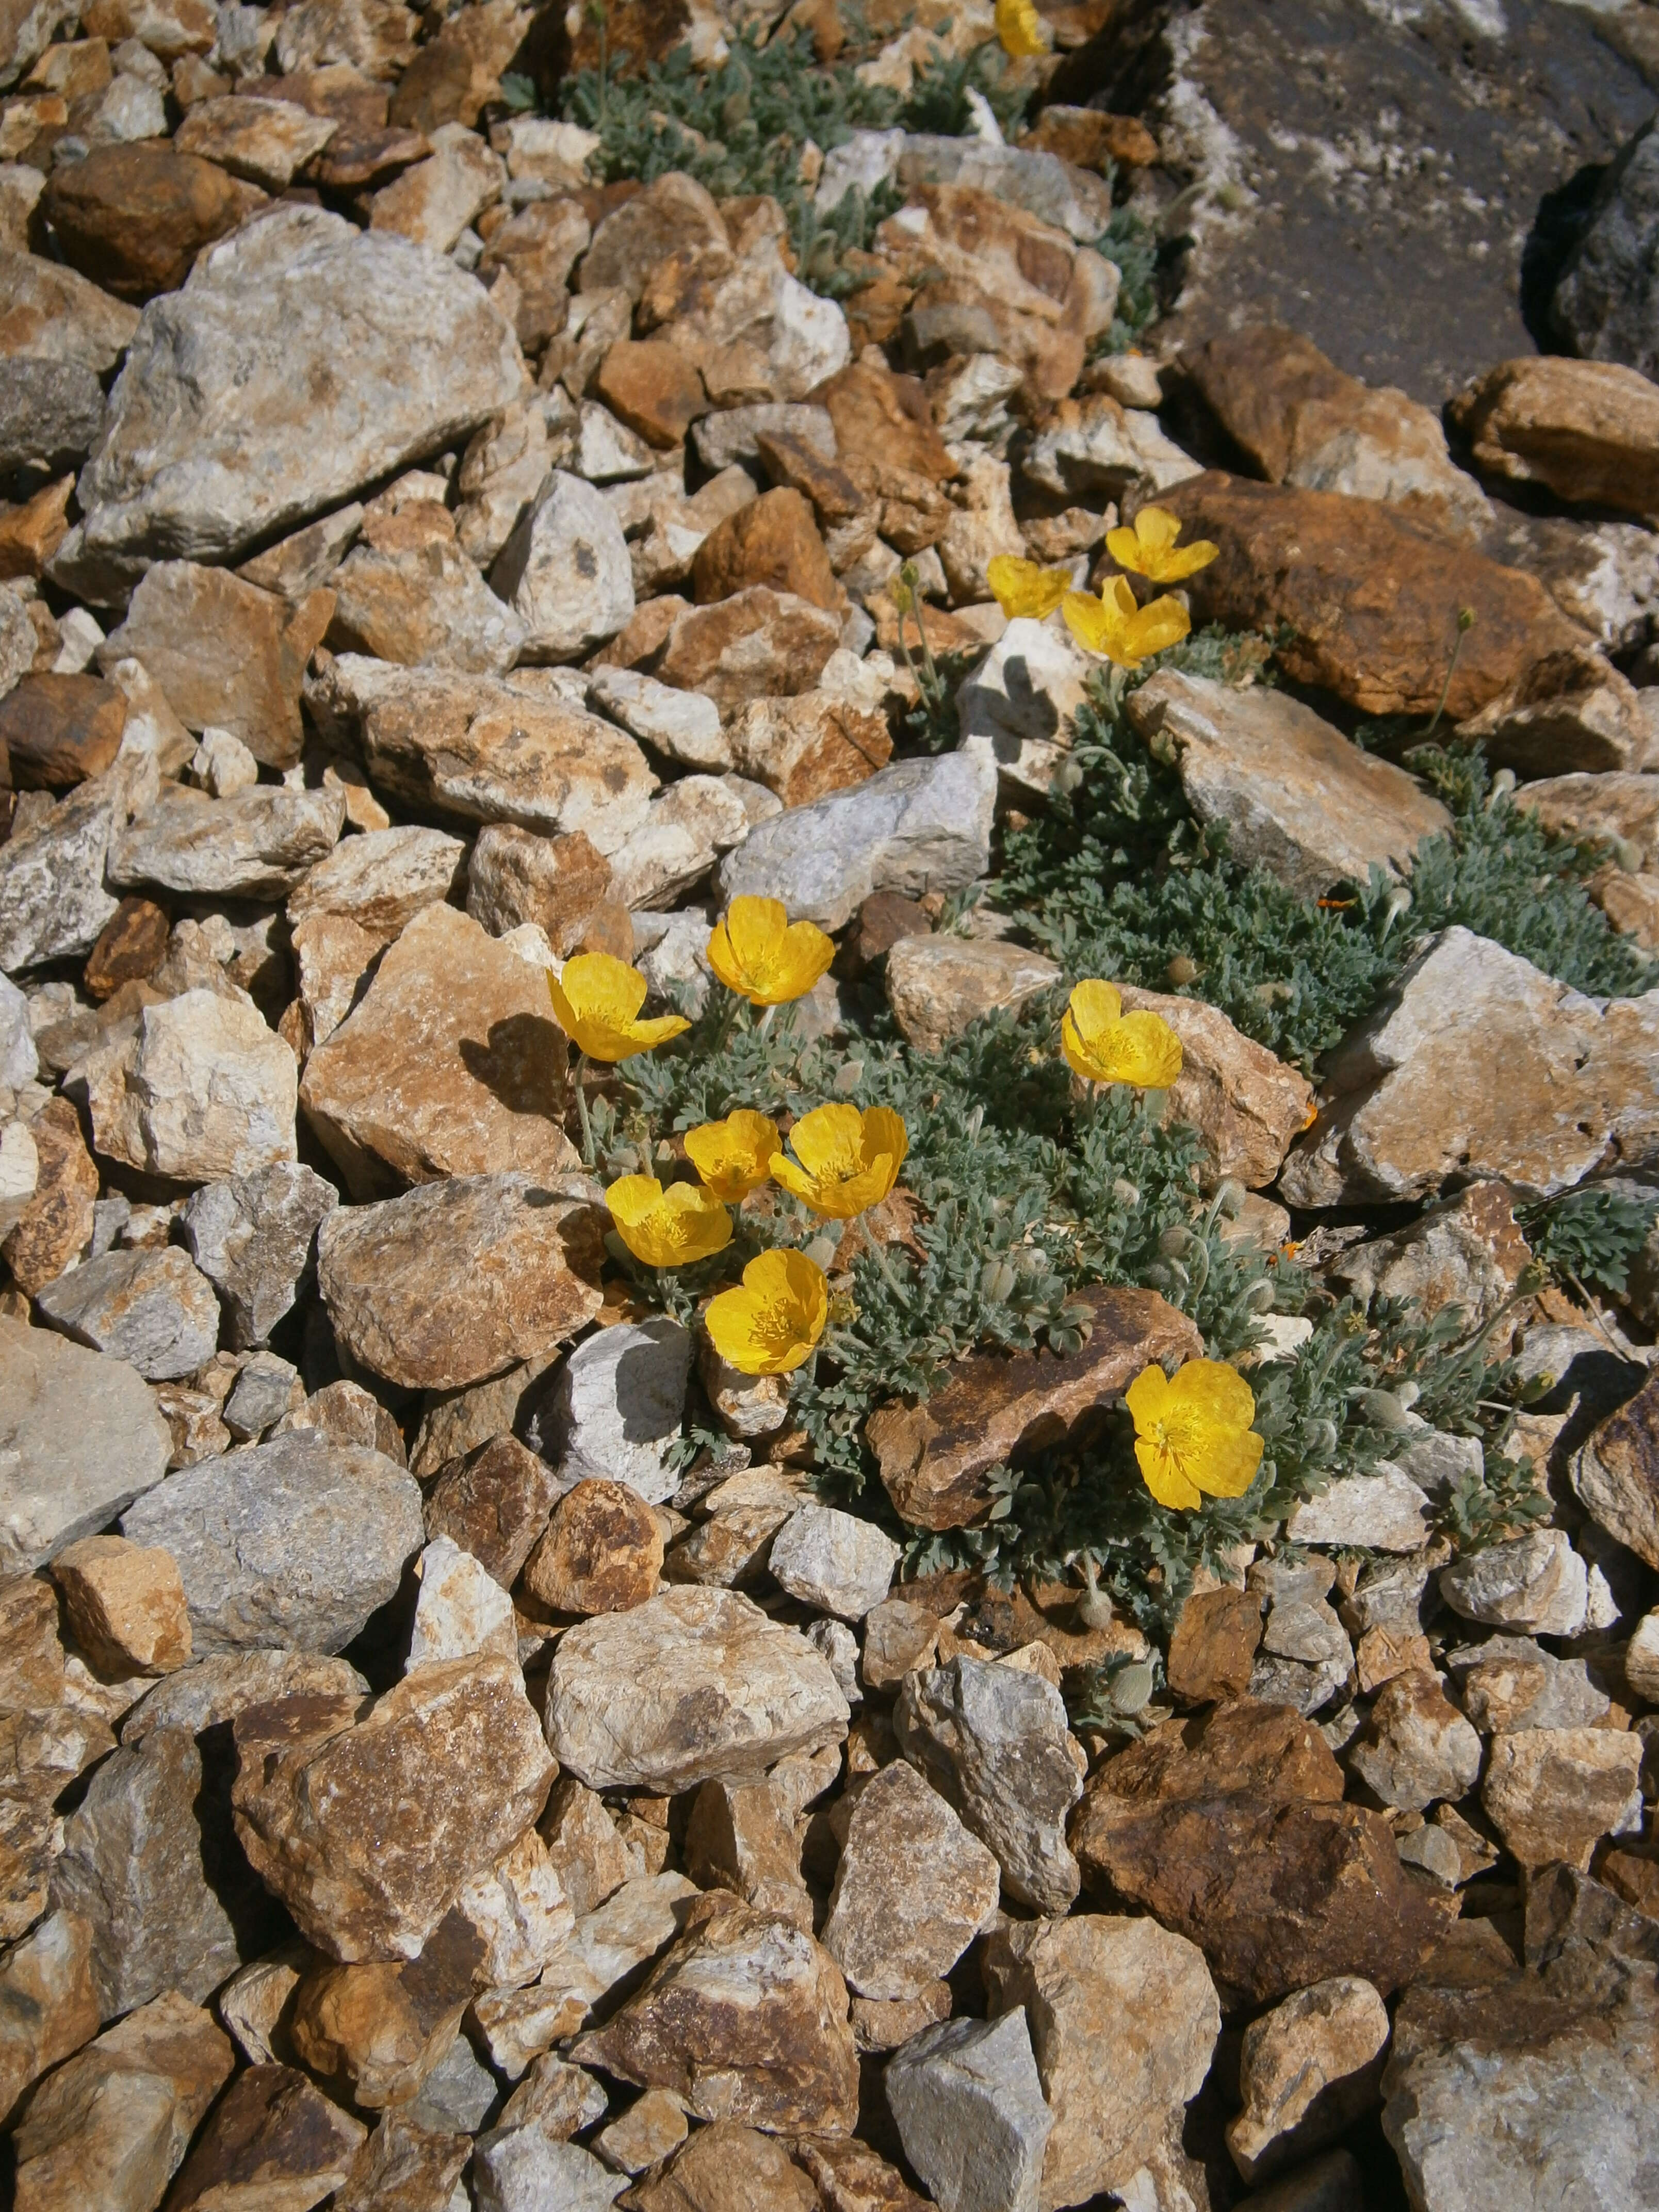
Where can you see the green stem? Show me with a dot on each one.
(588, 1160)
(1465, 624)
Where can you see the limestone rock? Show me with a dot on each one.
(758, 644)
(403, 2167)
(936, 985)
(517, 2168)
(993, 1740)
(969, 2109)
(681, 724)
(1540, 1086)
(461, 1612)
(1292, 792)
(459, 1279)
(53, 903)
(934, 1457)
(1571, 711)
(1615, 1473)
(1553, 1793)
(149, 1863)
(806, 747)
(493, 1503)
(255, 1237)
(689, 826)
(695, 1685)
(912, 1890)
(80, 1438)
(450, 1064)
(125, 1606)
(1309, 2068)
(133, 217)
(48, 2002)
(201, 1089)
(376, 2032)
(1123, 2018)
(1384, 1511)
(264, 140)
(293, 1543)
(256, 845)
(515, 876)
(1247, 1104)
(454, 1746)
(1017, 704)
(566, 573)
(1509, 1683)
(55, 1226)
(60, 730)
(1583, 430)
(111, 2127)
(383, 879)
(1372, 594)
(1468, 1252)
(833, 1561)
(619, 1402)
(153, 1308)
(602, 1551)
(273, 2131)
(204, 454)
(1416, 1746)
(1214, 1644)
(1537, 1584)
(745, 2017)
(213, 1691)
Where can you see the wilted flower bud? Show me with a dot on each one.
(1176, 1241)
(1182, 971)
(1125, 1192)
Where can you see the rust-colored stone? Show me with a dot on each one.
(133, 218)
(273, 2139)
(494, 1504)
(884, 420)
(59, 730)
(934, 1456)
(125, 1604)
(601, 1553)
(31, 533)
(772, 540)
(1092, 139)
(654, 388)
(1214, 1645)
(130, 948)
(376, 2032)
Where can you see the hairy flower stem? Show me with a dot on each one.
(579, 1082)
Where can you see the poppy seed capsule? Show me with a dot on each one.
(1182, 971)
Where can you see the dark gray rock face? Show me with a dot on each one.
(1607, 304)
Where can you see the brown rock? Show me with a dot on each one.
(672, 215)
(587, 1853)
(225, 652)
(536, 249)
(1554, 1793)
(133, 218)
(1468, 1252)
(56, 1226)
(110, 2128)
(1247, 1105)
(898, 1637)
(130, 948)
(806, 747)
(601, 1553)
(376, 2032)
(654, 388)
(937, 986)
(1616, 1474)
(746, 2018)
(1586, 430)
(933, 1457)
(913, 1888)
(735, 1840)
(125, 1604)
(1214, 1644)
(1372, 595)
(274, 2139)
(773, 541)
(402, 2167)
(1091, 139)
(333, 960)
(515, 876)
(48, 2002)
(728, 2168)
(1308, 2070)
(59, 730)
(1232, 1831)
(494, 1504)
(1570, 712)
(31, 533)
(1303, 421)
(450, 1064)
(879, 923)
(884, 420)
(852, 2177)
(758, 644)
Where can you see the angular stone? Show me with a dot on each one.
(479, 750)
(745, 2017)
(250, 846)
(619, 1402)
(1570, 1073)
(293, 1543)
(851, 2177)
(833, 1561)
(1018, 703)
(934, 1457)
(125, 1606)
(59, 730)
(48, 2002)
(1372, 594)
(1509, 1683)
(772, 540)
(1309, 2068)
(1583, 430)
(1292, 792)
(937, 986)
(254, 1238)
(1468, 1252)
(681, 724)
(1214, 1644)
(201, 1089)
(1615, 1473)
(689, 826)
(376, 2032)
(565, 571)
(1300, 421)
(461, 1612)
(694, 1686)
(382, 879)
(589, 1856)
(602, 1551)
(212, 1691)
(515, 876)
(404, 2167)
(133, 218)
(151, 1308)
(273, 2131)
(1537, 1584)
(205, 452)
(519, 1910)
(1416, 1746)
(149, 1862)
(1554, 1793)
(450, 1065)
(453, 1746)
(53, 903)
(970, 2112)
(80, 1438)
(494, 1504)
(111, 2127)
(912, 1890)
(458, 1279)
(1231, 1831)
(1384, 1512)
(55, 1226)
(994, 1741)
(806, 747)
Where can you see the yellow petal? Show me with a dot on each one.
(1147, 1397)
(1020, 28)
(758, 952)
(1162, 1476)
(723, 960)
(1211, 1390)
(603, 989)
(1086, 619)
(667, 1228)
(632, 1198)
(1229, 1467)
(1148, 1050)
(829, 1140)
(756, 928)
(885, 1136)
(1125, 548)
(1184, 560)
(733, 1156)
(771, 1324)
(1162, 624)
(1022, 588)
(1157, 529)
(1093, 1005)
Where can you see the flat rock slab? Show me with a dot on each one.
(450, 1064)
(696, 1685)
(257, 845)
(293, 1544)
(458, 1279)
(151, 1308)
(1292, 793)
(398, 351)
(1477, 1065)
(80, 1438)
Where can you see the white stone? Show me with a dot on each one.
(222, 764)
(565, 571)
(200, 1090)
(1380, 1512)
(687, 826)
(833, 1560)
(1537, 1584)
(461, 1609)
(620, 1398)
(971, 2113)
(683, 724)
(1016, 705)
(80, 1438)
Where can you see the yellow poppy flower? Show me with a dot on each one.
(770, 1326)
(1104, 1043)
(1114, 625)
(758, 952)
(595, 1003)
(1020, 28)
(733, 1156)
(667, 1228)
(1021, 587)
(1150, 548)
(845, 1160)
(1192, 1436)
